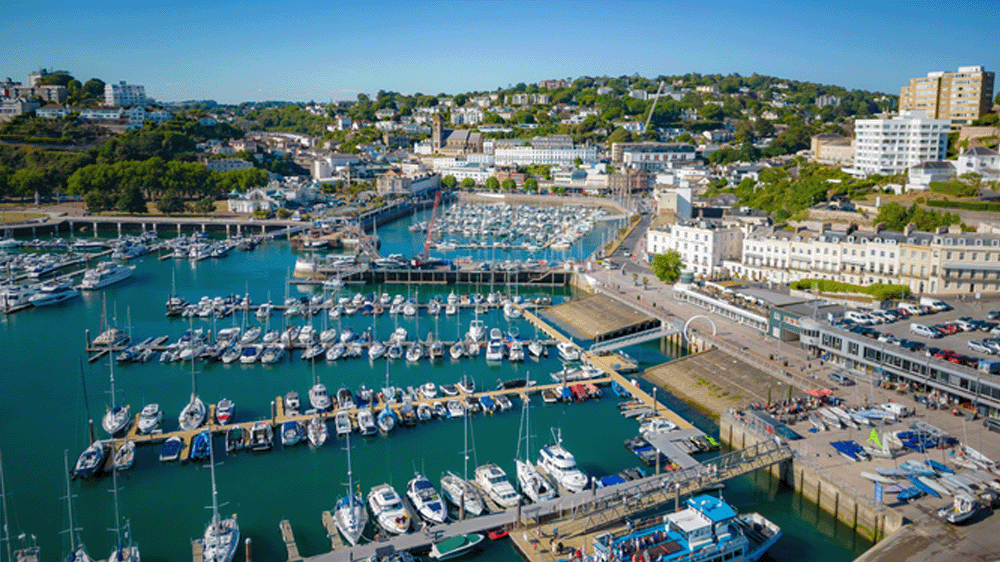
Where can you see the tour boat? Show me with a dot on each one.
(707, 529)
(388, 509)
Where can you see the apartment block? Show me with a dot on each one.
(122, 94)
(832, 150)
(703, 245)
(961, 97)
(892, 146)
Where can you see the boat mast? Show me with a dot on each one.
(69, 506)
(6, 520)
(215, 493)
(350, 484)
(117, 529)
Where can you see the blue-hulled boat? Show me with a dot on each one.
(914, 467)
(488, 404)
(171, 449)
(923, 487)
(90, 460)
(199, 446)
(909, 494)
(619, 390)
(938, 466)
(890, 471)
(612, 480)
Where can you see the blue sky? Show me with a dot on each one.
(301, 51)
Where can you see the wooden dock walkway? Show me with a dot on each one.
(197, 551)
(331, 531)
(289, 539)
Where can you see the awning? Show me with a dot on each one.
(819, 392)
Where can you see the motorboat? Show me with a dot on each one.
(387, 507)
(90, 460)
(171, 449)
(424, 412)
(345, 399)
(386, 421)
(291, 433)
(342, 423)
(366, 422)
(515, 351)
(457, 350)
(476, 330)
(51, 293)
(493, 480)
(535, 348)
(200, 445)
(224, 411)
(455, 409)
(314, 351)
(426, 500)
(963, 507)
(376, 350)
(467, 385)
(251, 353)
(560, 464)
(319, 398)
(316, 431)
(429, 390)
(106, 273)
(455, 546)
(251, 335)
(458, 491)
(532, 483)
(236, 439)
(261, 436)
(415, 352)
(272, 354)
(193, 415)
(150, 418)
(494, 350)
(292, 403)
(395, 351)
(232, 354)
(568, 351)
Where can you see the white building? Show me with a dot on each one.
(102, 114)
(466, 116)
(227, 164)
(825, 100)
(703, 245)
(892, 146)
(251, 201)
(529, 155)
(921, 175)
(977, 160)
(122, 94)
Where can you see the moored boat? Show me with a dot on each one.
(455, 546)
(426, 500)
(388, 509)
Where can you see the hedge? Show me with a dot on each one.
(967, 205)
(878, 291)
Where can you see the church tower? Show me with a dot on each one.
(436, 132)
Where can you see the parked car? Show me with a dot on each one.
(993, 315)
(980, 347)
(924, 330)
(842, 379)
(992, 424)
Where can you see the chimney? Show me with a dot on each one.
(851, 228)
(909, 229)
(954, 229)
(825, 227)
(941, 230)
(879, 227)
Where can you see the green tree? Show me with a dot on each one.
(711, 112)
(283, 213)
(131, 200)
(93, 88)
(28, 181)
(98, 201)
(449, 181)
(508, 184)
(619, 135)
(531, 185)
(492, 184)
(204, 205)
(468, 183)
(763, 128)
(170, 203)
(667, 267)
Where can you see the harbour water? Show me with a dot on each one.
(43, 414)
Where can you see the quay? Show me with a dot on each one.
(289, 538)
(464, 275)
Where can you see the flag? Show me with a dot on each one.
(874, 438)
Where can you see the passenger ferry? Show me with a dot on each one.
(708, 529)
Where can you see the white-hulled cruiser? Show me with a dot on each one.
(105, 274)
(707, 529)
(387, 507)
(493, 480)
(426, 500)
(222, 536)
(150, 418)
(459, 491)
(561, 465)
(50, 293)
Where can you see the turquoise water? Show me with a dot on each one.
(43, 414)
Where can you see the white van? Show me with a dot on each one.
(896, 409)
(924, 330)
(913, 309)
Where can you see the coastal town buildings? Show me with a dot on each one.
(892, 146)
(960, 97)
(122, 94)
(703, 245)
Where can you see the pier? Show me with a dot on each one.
(544, 276)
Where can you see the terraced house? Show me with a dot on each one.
(944, 262)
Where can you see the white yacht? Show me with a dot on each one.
(568, 351)
(316, 431)
(50, 293)
(387, 507)
(426, 500)
(458, 490)
(533, 484)
(493, 480)
(476, 330)
(560, 464)
(193, 414)
(494, 350)
(366, 422)
(319, 398)
(222, 536)
(150, 418)
(106, 273)
(376, 350)
(349, 514)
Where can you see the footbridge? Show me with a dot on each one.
(664, 330)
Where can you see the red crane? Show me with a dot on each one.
(430, 225)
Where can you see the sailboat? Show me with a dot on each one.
(222, 536)
(30, 552)
(319, 398)
(121, 553)
(532, 483)
(77, 552)
(457, 489)
(194, 413)
(117, 418)
(350, 514)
